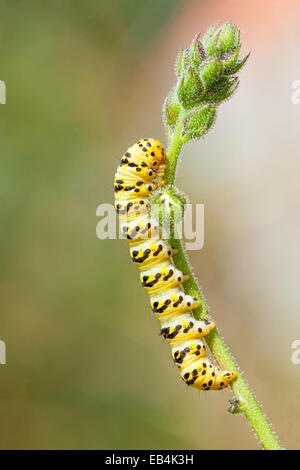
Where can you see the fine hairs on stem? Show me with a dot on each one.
(206, 76)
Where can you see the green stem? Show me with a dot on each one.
(247, 403)
(174, 149)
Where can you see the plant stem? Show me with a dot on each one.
(246, 403)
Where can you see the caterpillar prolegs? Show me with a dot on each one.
(138, 176)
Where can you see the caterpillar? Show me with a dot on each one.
(139, 174)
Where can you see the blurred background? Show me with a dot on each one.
(85, 365)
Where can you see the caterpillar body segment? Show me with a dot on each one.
(184, 328)
(172, 302)
(138, 176)
(151, 252)
(161, 278)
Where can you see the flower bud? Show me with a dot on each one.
(190, 89)
(182, 63)
(223, 90)
(207, 40)
(196, 52)
(198, 122)
(211, 71)
(168, 206)
(171, 110)
(223, 44)
(219, 41)
(229, 38)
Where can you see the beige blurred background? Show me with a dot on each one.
(85, 366)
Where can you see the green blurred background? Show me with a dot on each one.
(85, 366)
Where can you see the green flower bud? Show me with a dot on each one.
(198, 122)
(229, 38)
(211, 72)
(182, 63)
(196, 52)
(168, 206)
(222, 90)
(223, 40)
(171, 110)
(190, 89)
(235, 406)
(230, 60)
(207, 40)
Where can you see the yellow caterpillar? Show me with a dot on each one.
(138, 175)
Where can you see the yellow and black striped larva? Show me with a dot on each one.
(138, 176)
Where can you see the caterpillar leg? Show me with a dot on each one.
(161, 183)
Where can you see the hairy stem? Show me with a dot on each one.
(246, 402)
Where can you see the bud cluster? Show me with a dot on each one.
(205, 77)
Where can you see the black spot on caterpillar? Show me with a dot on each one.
(135, 180)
